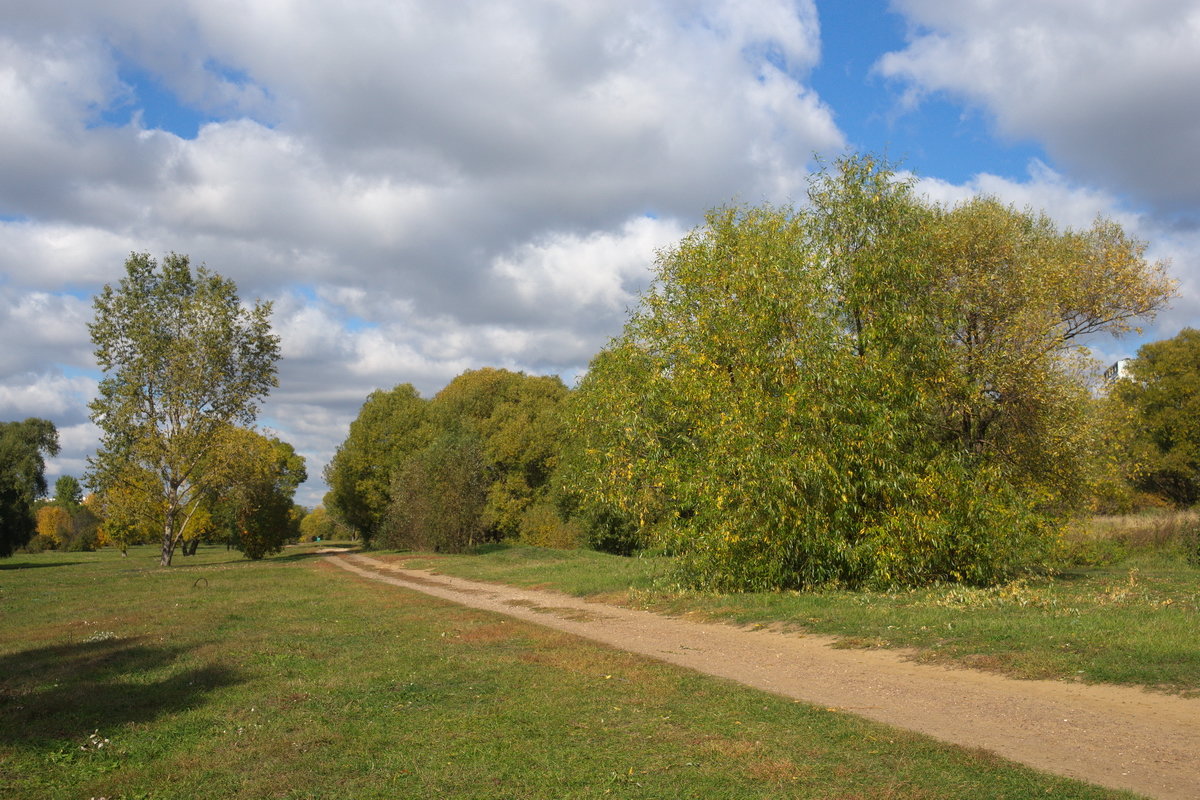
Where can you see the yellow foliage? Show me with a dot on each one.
(54, 523)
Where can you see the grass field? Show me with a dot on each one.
(287, 678)
(1124, 608)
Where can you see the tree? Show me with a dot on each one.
(85, 528)
(54, 523)
(1163, 395)
(23, 448)
(183, 361)
(258, 477)
(390, 427)
(872, 390)
(517, 420)
(439, 496)
(68, 494)
(481, 457)
(130, 509)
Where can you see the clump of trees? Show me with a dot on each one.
(247, 502)
(68, 521)
(24, 447)
(318, 525)
(1159, 404)
(472, 464)
(869, 391)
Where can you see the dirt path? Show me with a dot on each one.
(1124, 738)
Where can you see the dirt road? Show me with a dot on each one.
(1120, 737)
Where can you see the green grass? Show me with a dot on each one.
(1129, 617)
(288, 678)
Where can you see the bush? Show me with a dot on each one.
(40, 543)
(541, 526)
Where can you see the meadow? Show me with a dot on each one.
(287, 678)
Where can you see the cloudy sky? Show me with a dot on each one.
(423, 187)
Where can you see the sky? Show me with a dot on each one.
(424, 187)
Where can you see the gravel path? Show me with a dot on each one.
(1121, 737)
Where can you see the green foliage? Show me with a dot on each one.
(868, 392)
(317, 525)
(390, 428)
(258, 477)
(68, 494)
(85, 530)
(183, 361)
(1163, 396)
(130, 509)
(439, 496)
(543, 526)
(407, 460)
(23, 448)
(517, 420)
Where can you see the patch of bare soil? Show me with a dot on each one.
(1120, 737)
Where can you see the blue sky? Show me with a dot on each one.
(422, 191)
(941, 137)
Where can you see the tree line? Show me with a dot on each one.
(870, 390)
(470, 465)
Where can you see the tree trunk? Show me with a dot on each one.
(168, 542)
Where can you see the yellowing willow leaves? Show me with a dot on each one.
(872, 390)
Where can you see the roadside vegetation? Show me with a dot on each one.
(274, 678)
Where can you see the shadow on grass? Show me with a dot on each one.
(30, 565)
(67, 691)
(299, 556)
(320, 552)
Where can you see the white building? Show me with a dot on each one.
(1117, 371)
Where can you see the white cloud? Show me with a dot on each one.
(1109, 88)
(46, 395)
(563, 274)
(41, 328)
(420, 187)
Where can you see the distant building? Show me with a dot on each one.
(1117, 371)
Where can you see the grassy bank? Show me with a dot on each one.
(287, 678)
(1124, 607)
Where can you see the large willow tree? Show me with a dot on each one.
(872, 390)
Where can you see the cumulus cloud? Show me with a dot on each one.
(419, 189)
(1108, 88)
(42, 328)
(45, 395)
